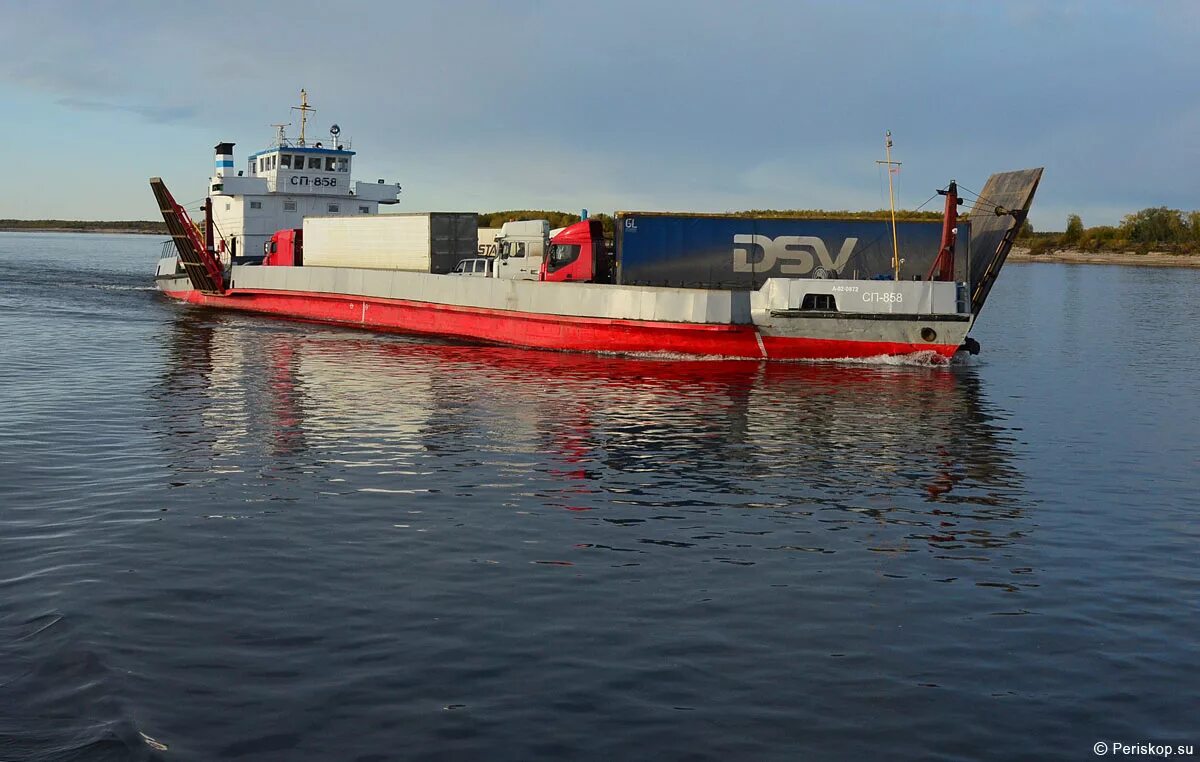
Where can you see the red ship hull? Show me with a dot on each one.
(558, 332)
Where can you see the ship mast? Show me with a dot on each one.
(892, 199)
(303, 108)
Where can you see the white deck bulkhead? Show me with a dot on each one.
(594, 300)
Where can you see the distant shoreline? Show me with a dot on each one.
(1019, 254)
(135, 227)
(122, 231)
(1126, 258)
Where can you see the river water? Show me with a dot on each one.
(233, 537)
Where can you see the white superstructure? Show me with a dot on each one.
(283, 184)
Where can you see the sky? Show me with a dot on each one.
(686, 106)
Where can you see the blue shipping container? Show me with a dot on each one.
(713, 251)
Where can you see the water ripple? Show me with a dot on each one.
(226, 536)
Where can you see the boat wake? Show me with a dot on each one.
(927, 359)
(117, 287)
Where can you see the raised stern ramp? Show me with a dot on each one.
(202, 266)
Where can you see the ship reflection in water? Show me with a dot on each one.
(730, 460)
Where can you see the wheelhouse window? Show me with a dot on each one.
(330, 164)
(314, 162)
(285, 161)
(343, 165)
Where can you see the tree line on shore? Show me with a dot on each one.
(1154, 229)
(557, 219)
(562, 219)
(87, 226)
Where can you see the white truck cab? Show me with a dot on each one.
(520, 248)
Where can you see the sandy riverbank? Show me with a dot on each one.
(1070, 257)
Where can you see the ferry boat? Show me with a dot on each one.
(294, 239)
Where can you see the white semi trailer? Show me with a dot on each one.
(432, 242)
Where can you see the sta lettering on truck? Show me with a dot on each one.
(795, 250)
(317, 182)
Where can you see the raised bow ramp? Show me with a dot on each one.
(996, 219)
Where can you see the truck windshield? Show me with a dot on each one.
(563, 254)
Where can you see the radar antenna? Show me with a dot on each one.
(281, 136)
(304, 110)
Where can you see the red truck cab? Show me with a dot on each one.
(577, 253)
(286, 248)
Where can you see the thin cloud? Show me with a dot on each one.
(724, 106)
(154, 114)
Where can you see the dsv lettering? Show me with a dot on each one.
(796, 250)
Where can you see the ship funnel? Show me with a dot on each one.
(224, 159)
